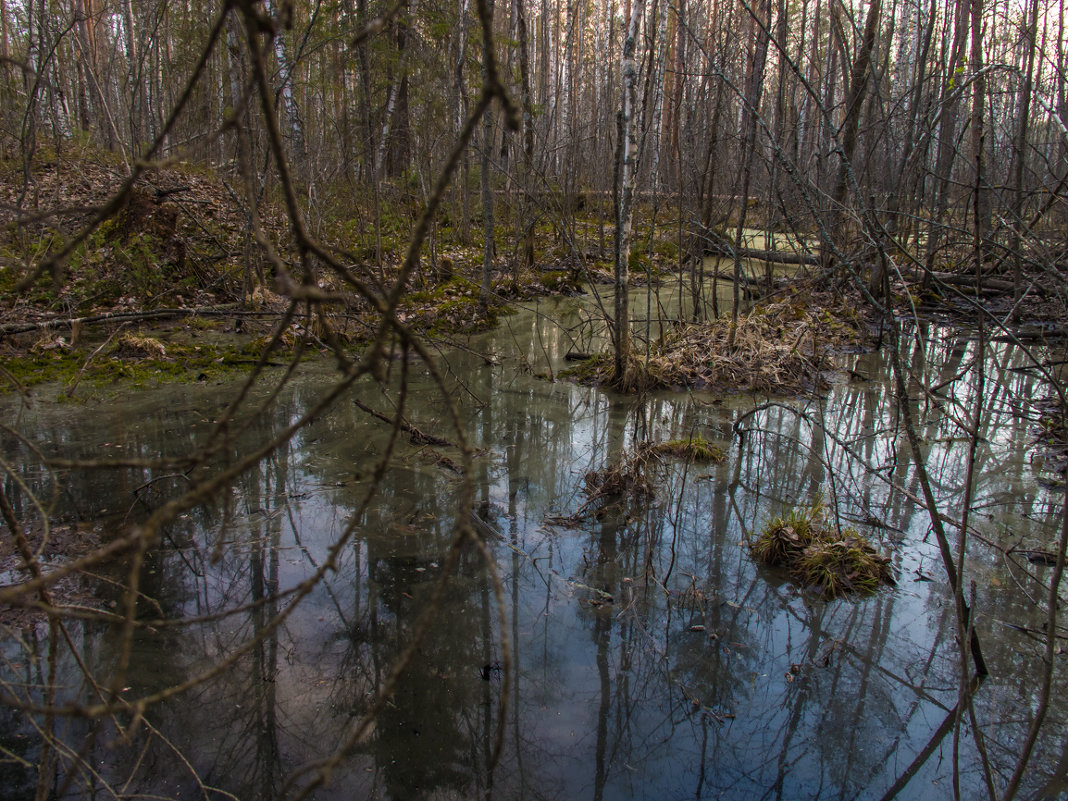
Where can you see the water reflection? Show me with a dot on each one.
(652, 658)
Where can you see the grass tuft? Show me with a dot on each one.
(695, 449)
(822, 559)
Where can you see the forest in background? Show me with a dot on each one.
(327, 159)
(891, 134)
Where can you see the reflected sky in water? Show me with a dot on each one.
(653, 659)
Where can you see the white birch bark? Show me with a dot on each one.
(626, 169)
(287, 101)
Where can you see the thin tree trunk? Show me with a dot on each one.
(754, 89)
(903, 187)
(982, 203)
(286, 68)
(526, 205)
(626, 164)
(708, 201)
(858, 82)
(488, 252)
(947, 132)
(460, 99)
(368, 161)
(1020, 150)
(133, 70)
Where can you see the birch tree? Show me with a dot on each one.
(286, 68)
(626, 166)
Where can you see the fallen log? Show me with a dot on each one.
(776, 256)
(754, 285)
(989, 284)
(121, 317)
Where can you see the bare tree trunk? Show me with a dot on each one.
(460, 109)
(947, 132)
(982, 203)
(625, 168)
(489, 249)
(5, 51)
(395, 106)
(858, 82)
(1020, 150)
(907, 176)
(526, 205)
(753, 91)
(708, 204)
(286, 68)
(368, 161)
(134, 83)
(655, 85)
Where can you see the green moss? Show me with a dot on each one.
(456, 287)
(30, 371)
(182, 363)
(638, 261)
(463, 315)
(595, 370)
(9, 276)
(205, 324)
(667, 249)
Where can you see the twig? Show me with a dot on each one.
(77, 378)
(417, 436)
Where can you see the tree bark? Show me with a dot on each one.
(286, 68)
(1020, 149)
(982, 203)
(753, 91)
(134, 82)
(525, 206)
(858, 82)
(625, 168)
(488, 232)
(950, 100)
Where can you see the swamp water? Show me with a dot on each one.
(652, 657)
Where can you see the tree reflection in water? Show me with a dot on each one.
(652, 658)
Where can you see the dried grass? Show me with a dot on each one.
(695, 449)
(135, 346)
(631, 478)
(781, 347)
(635, 475)
(848, 565)
(822, 559)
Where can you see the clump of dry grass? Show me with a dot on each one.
(634, 476)
(630, 478)
(784, 539)
(823, 559)
(847, 565)
(696, 449)
(135, 346)
(780, 347)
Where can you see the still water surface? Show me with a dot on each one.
(653, 659)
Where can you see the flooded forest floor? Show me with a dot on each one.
(237, 563)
